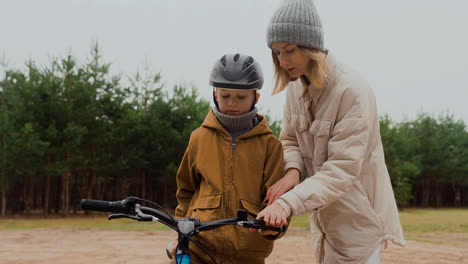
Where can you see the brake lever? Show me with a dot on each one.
(144, 217)
(117, 216)
(140, 216)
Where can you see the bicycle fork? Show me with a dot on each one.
(182, 252)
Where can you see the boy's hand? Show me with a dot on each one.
(267, 232)
(289, 180)
(171, 249)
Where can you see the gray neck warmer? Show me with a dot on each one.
(237, 125)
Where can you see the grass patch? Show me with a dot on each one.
(422, 240)
(441, 226)
(435, 226)
(300, 221)
(95, 221)
(423, 221)
(418, 224)
(420, 220)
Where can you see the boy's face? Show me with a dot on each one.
(235, 102)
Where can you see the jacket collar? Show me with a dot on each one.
(212, 122)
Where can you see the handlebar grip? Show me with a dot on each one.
(105, 206)
(274, 228)
(261, 225)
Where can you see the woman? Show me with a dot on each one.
(331, 133)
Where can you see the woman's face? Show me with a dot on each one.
(291, 58)
(234, 102)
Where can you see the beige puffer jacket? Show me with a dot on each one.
(332, 133)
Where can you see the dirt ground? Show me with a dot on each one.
(77, 246)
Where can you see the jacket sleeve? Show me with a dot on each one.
(292, 152)
(346, 150)
(273, 171)
(187, 182)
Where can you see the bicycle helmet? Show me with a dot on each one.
(236, 71)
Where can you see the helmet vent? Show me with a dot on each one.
(247, 63)
(236, 71)
(223, 60)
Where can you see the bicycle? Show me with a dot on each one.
(186, 228)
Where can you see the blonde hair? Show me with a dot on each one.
(318, 69)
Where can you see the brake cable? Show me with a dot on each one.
(176, 228)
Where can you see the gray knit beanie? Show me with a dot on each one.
(296, 21)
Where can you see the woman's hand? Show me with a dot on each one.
(274, 215)
(289, 180)
(276, 212)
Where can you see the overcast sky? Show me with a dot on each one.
(414, 53)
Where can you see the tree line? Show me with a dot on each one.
(70, 131)
(427, 159)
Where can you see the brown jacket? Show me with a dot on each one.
(218, 176)
(332, 133)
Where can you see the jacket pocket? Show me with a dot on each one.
(320, 129)
(252, 208)
(351, 225)
(317, 235)
(371, 209)
(206, 208)
(305, 140)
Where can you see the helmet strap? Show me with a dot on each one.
(254, 101)
(214, 100)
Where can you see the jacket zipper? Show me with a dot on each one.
(231, 176)
(231, 172)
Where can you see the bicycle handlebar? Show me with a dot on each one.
(128, 208)
(106, 206)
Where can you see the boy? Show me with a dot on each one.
(230, 163)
